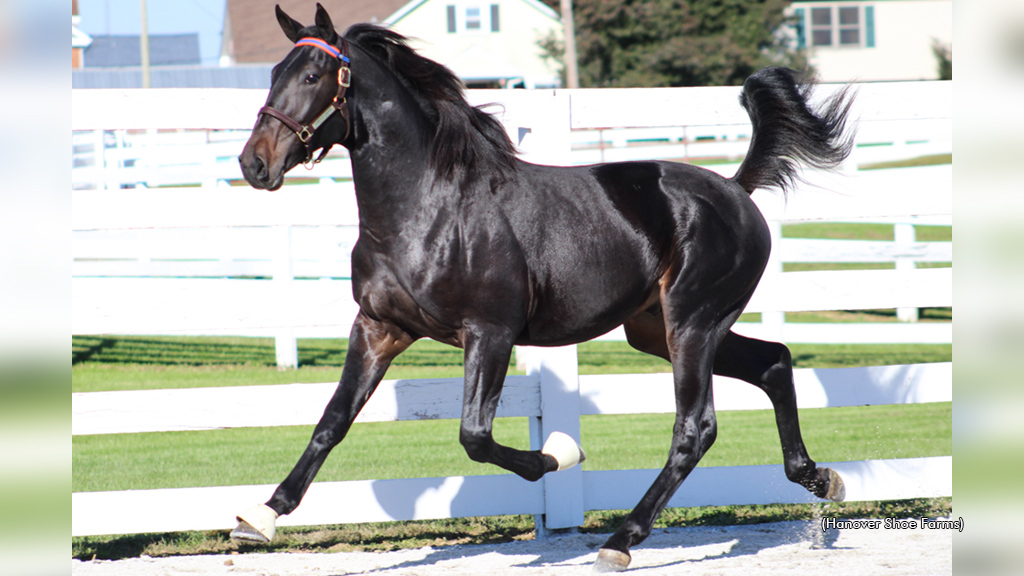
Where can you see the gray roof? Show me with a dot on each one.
(251, 76)
(164, 50)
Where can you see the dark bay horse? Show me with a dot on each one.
(461, 242)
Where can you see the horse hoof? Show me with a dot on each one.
(564, 450)
(836, 488)
(256, 525)
(245, 532)
(609, 560)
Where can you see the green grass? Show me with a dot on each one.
(431, 448)
(129, 362)
(930, 160)
(855, 231)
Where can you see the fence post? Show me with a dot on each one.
(558, 371)
(903, 236)
(285, 346)
(774, 323)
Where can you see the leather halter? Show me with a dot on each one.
(339, 104)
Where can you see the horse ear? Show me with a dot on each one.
(324, 25)
(290, 27)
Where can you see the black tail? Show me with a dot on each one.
(787, 132)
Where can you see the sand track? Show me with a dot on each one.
(777, 548)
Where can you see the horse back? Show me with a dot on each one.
(598, 240)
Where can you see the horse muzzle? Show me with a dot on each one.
(259, 168)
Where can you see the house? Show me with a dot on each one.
(487, 43)
(118, 51)
(251, 34)
(873, 40)
(79, 40)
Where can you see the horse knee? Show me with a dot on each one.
(692, 447)
(477, 445)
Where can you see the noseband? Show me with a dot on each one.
(338, 104)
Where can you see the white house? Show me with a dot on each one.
(487, 43)
(873, 40)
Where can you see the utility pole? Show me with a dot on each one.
(569, 32)
(144, 43)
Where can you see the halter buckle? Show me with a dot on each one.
(305, 134)
(344, 76)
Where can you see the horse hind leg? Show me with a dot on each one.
(691, 346)
(769, 366)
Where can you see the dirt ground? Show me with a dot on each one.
(764, 549)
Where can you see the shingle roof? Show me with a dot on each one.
(249, 76)
(257, 37)
(164, 50)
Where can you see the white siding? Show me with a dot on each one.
(904, 31)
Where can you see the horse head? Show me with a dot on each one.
(306, 109)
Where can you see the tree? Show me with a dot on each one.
(677, 42)
(944, 56)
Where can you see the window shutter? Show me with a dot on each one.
(801, 36)
(495, 19)
(869, 26)
(451, 19)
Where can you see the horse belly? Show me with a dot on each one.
(580, 306)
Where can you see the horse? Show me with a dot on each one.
(462, 242)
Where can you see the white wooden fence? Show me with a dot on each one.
(109, 224)
(553, 396)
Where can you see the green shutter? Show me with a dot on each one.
(801, 36)
(869, 26)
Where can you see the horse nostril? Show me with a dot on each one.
(260, 166)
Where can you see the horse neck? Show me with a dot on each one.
(391, 159)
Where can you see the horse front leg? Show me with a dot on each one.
(487, 354)
(372, 346)
(769, 366)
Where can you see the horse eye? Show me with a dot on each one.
(312, 79)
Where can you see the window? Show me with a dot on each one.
(473, 18)
(849, 26)
(821, 26)
(840, 25)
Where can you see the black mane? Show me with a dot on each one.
(466, 138)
